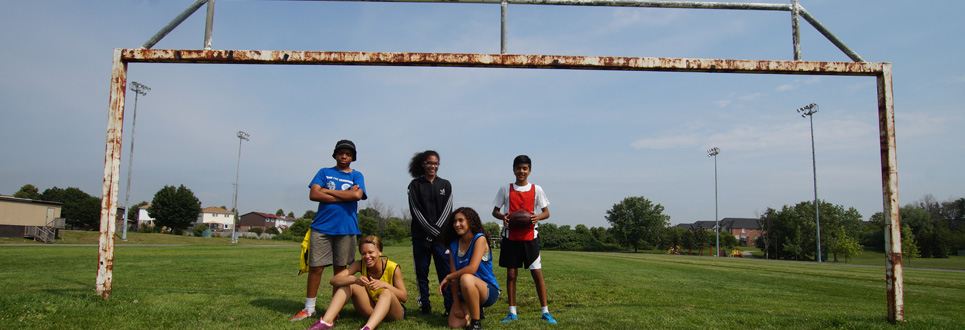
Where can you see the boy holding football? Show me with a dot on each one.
(519, 201)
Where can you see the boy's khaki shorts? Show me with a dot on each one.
(327, 250)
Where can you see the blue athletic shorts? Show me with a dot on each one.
(490, 300)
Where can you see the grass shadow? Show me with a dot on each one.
(284, 306)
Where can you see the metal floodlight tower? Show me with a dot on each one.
(712, 152)
(242, 136)
(809, 111)
(138, 89)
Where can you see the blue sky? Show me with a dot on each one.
(595, 137)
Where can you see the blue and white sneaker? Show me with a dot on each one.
(548, 318)
(510, 318)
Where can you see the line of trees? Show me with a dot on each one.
(930, 229)
(176, 208)
(80, 210)
(791, 232)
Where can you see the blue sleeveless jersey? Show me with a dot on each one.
(485, 270)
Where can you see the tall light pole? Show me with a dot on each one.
(242, 136)
(809, 111)
(712, 152)
(138, 89)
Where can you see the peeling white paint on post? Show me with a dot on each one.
(112, 164)
(889, 188)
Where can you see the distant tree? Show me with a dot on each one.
(28, 191)
(909, 248)
(367, 225)
(199, 229)
(637, 221)
(291, 214)
(844, 245)
(223, 207)
(703, 238)
(492, 229)
(310, 214)
(602, 234)
(582, 229)
(728, 240)
(792, 243)
(370, 212)
(873, 234)
(133, 210)
(394, 230)
(280, 213)
(954, 209)
(670, 237)
(796, 225)
(687, 241)
(175, 208)
(299, 228)
(80, 209)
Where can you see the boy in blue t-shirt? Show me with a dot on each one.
(335, 227)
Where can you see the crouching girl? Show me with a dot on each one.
(471, 278)
(378, 294)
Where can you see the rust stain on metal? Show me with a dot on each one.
(112, 161)
(499, 60)
(889, 189)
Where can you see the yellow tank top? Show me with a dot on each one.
(388, 275)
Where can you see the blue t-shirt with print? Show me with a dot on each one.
(338, 218)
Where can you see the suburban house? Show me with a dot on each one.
(20, 217)
(745, 230)
(216, 218)
(264, 221)
(143, 218)
(709, 225)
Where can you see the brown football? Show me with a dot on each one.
(520, 218)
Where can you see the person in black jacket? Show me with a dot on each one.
(430, 203)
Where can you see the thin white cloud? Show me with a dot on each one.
(730, 99)
(786, 87)
(957, 80)
(751, 96)
(796, 83)
(846, 134)
(918, 124)
(668, 142)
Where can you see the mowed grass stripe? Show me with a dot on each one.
(255, 287)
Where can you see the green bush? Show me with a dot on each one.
(283, 236)
(273, 231)
(146, 229)
(256, 230)
(199, 229)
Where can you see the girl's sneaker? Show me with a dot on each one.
(302, 314)
(548, 318)
(475, 325)
(320, 325)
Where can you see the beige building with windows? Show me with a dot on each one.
(20, 217)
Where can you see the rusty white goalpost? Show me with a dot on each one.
(881, 72)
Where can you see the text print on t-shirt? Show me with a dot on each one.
(330, 185)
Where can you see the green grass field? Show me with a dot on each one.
(224, 286)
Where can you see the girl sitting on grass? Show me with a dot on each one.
(473, 284)
(377, 294)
